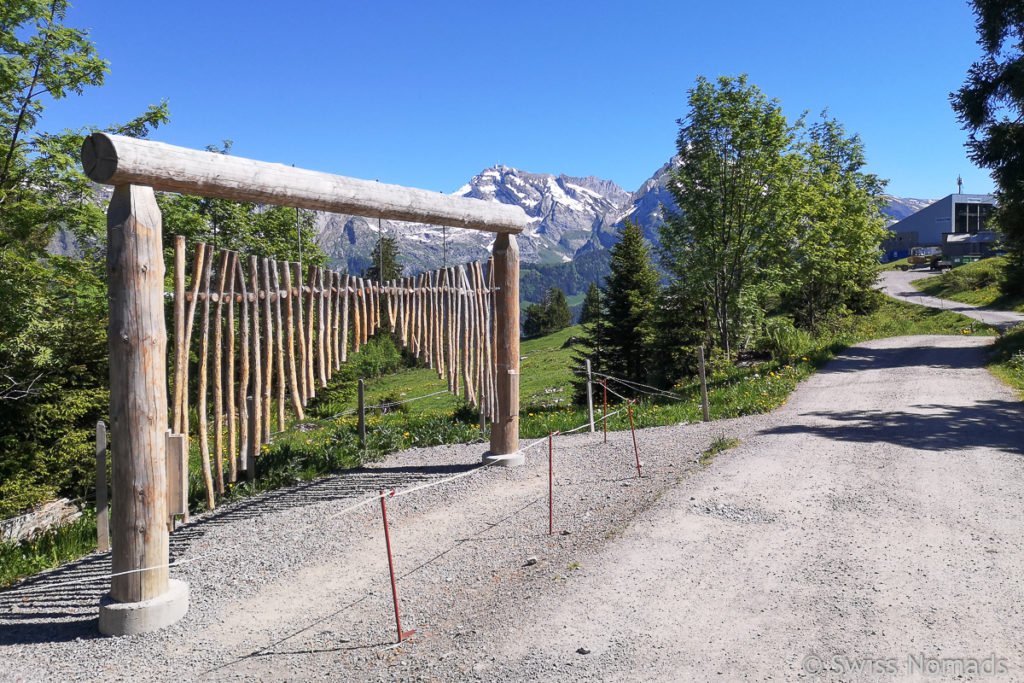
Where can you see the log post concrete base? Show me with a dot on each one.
(130, 618)
(506, 460)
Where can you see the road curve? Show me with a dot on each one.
(896, 283)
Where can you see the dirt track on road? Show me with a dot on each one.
(876, 516)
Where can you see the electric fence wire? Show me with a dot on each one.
(375, 497)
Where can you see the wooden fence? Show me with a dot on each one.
(269, 335)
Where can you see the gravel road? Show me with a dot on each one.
(896, 283)
(875, 515)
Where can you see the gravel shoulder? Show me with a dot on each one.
(896, 283)
(876, 514)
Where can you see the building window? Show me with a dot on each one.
(970, 218)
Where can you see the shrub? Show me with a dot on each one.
(782, 339)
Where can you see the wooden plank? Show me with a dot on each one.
(218, 373)
(230, 379)
(310, 337)
(199, 263)
(357, 318)
(467, 323)
(177, 474)
(344, 317)
(406, 311)
(102, 508)
(328, 278)
(282, 379)
(137, 339)
(321, 320)
(180, 349)
(364, 309)
(289, 323)
(336, 318)
(390, 300)
(256, 414)
(449, 333)
(300, 329)
(115, 160)
(201, 408)
(244, 354)
(268, 353)
(429, 319)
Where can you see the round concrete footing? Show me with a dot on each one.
(129, 618)
(507, 460)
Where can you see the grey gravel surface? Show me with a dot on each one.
(896, 283)
(876, 514)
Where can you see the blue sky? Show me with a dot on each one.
(429, 94)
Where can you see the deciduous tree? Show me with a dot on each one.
(737, 157)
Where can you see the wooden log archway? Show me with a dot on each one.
(137, 336)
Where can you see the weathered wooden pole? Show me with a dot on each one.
(141, 598)
(505, 423)
(361, 412)
(703, 384)
(102, 509)
(590, 396)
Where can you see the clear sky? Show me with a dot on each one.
(428, 94)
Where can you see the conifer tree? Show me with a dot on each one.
(385, 265)
(591, 310)
(549, 316)
(619, 343)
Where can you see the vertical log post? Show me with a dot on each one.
(138, 413)
(279, 343)
(361, 428)
(255, 409)
(180, 350)
(244, 354)
(590, 396)
(289, 309)
(102, 510)
(505, 424)
(703, 384)
(232, 440)
(268, 356)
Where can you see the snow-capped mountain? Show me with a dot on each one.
(901, 207)
(570, 216)
(565, 211)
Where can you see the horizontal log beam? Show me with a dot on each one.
(118, 160)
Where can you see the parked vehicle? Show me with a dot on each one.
(922, 255)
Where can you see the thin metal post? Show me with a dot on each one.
(402, 635)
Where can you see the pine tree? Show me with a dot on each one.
(591, 310)
(549, 316)
(385, 265)
(619, 343)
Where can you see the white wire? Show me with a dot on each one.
(392, 492)
(631, 384)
